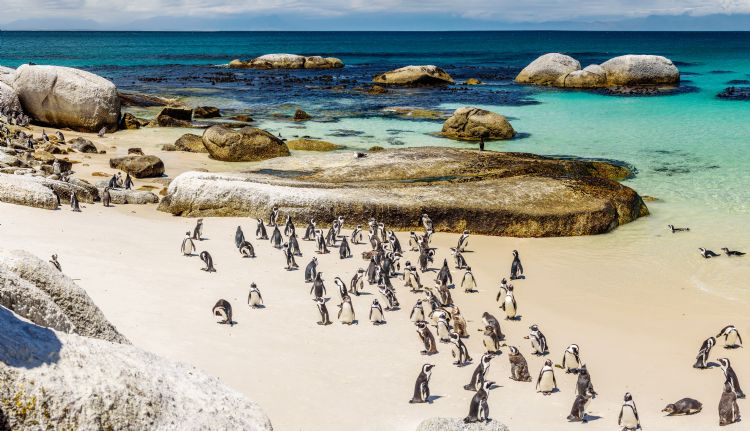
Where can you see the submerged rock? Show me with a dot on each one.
(472, 81)
(288, 61)
(190, 143)
(312, 145)
(139, 166)
(457, 424)
(248, 144)
(414, 75)
(300, 115)
(735, 93)
(508, 194)
(206, 112)
(131, 122)
(474, 123)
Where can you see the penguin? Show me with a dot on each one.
(519, 368)
(516, 269)
(320, 240)
(389, 297)
(702, 358)
(357, 236)
(247, 249)
(372, 271)
(444, 276)
(445, 295)
(273, 216)
(239, 237)
(311, 270)
(546, 382)
(490, 341)
(74, 203)
(208, 260)
(357, 282)
(289, 226)
(310, 231)
(276, 240)
(113, 182)
(56, 169)
(459, 350)
(254, 298)
(422, 385)
(468, 283)
(223, 309)
(458, 259)
(707, 254)
(427, 339)
(323, 310)
(731, 253)
(491, 321)
(427, 223)
(260, 231)
(346, 311)
(291, 264)
(198, 230)
(426, 257)
(443, 330)
(344, 251)
(376, 313)
(318, 288)
(414, 243)
(60, 137)
(479, 410)
(417, 312)
(294, 245)
(463, 241)
(583, 383)
(678, 229)
(128, 182)
(343, 293)
(731, 377)
(732, 339)
(538, 341)
(188, 247)
(628, 418)
(106, 197)
(729, 411)
(395, 243)
(578, 411)
(411, 278)
(509, 304)
(102, 131)
(479, 373)
(56, 263)
(45, 138)
(459, 323)
(685, 406)
(571, 359)
(501, 292)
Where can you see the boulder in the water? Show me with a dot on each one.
(414, 76)
(288, 61)
(206, 112)
(547, 69)
(175, 117)
(474, 123)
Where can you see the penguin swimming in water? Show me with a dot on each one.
(318, 288)
(546, 383)
(289, 226)
(422, 385)
(731, 253)
(344, 251)
(56, 263)
(260, 231)
(357, 282)
(273, 216)
(538, 341)
(708, 254)
(239, 237)
(459, 350)
(417, 312)
(311, 270)
(463, 241)
(685, 406)
(291, 264)
(519, 368)
(254, 298)
(479, 410)
(223, 309)
(731, 376)
(247, 249)
(376, 313)
(74, 203)
(346, 311)
(468, 283)
(188, 246)
(583, 383)
(571, 359)
(323, 310)
(106, 197)
(427, 339)
(458, 259)
(678, 229)
(477, 377)
(208, 260)
(702, 359)
(729, 411)
(310, 231)
(580, 404)
(509, 304)
(444, 276)
(357, 236)
(516, 269)
(276, 240)
(628, 418)
(492, 322)
(198, 230)
(732, 339)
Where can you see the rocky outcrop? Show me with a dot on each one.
(735, 93)
(139, 166)
(131, 122)
(630, 71)
(414, 75)
(65, 97)
(474, 123)
(36, 290)
(288, 61)
(175, 117)
(9, 99)
(123, 197)
(457, 424)
(248, 144)
(83, 145)
(300, 115)
(312, 145)
(37, 191)
(190, 143)
(508, 194)
(206, 112)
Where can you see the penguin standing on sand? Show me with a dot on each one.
(491, 321)
(247, 249)
(323, 310)
(344, 250)
(260, 231)
(426, 257)
(411, 277)
(273, 216)
(546, 383)
(732, 339)
(628, 418)
(702, 359)
(427, 223)
(198, 230)
(309, 231)
(294, 245)
(580, 404)
(538, 341)
(458, 259)
(318, 288)
(729, 411)
(376, 313)
(254, 298)
(346, 311)
(106, 197)
(444, 276)
(477, 377)
(276, 239)
(479, 410)
(208, 260)
(571, 359)
(311, 270)
(459, 323)
(289, 226)
(731, 377)
(291, 264)
(427, 339)
(128, 182)
(516, 269)
(188, 246)
(321, 242)
(395, 243)
(443, 329)
(519, 368)
(372, 271)
(468, 283)
(708, 254)
(583, 384)
(74, 205)
(357, 283)
(239, 237)
(422, 385)
(490, 341)
(341, 286)
(459, 350)
(357, 236)
(223, 309)
(501, 292)
(509, 304)
(463, 241)
(417, 312)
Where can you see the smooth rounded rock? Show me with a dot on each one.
(248, 144)
(414, 75)
(474, 123)
(547, 69)
(139, 166)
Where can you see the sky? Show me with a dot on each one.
(211, 15)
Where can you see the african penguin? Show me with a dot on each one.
(628, 418)
(56, 263)
(427, 339)
(311, 270)
(707, 254)
(198, 230)
(247, 249)
(106, 197)
(188, 247)
(376, 313)
(346, 311)
(323, 310)
(479, 373)
(546, 382)
(479, 410)
(468, 283)
(702, 359)
(208, 260)
(260, 231)
(516, 269)
(731, 253)
(685, 406)
(519, 368)
(571, 359)
(422, 385)
(731, 377)
(276, 240)
(318, 288)
(538, 341)
(729, 411)
(223, 309)
(732, 339)
(459, 350)
(239, 237)
(254, 298)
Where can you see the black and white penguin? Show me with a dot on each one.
(128, 182)
(516, 269)
(346, 311)
(411, 278)
(395, 243)
(311, 270)
(289, 226)
(247, 249)
(310, 231)
(198, 230)
(106, 197)
(422, 385)
(571, 359)
(478, 376)
(426, 257)
(60, 137)
(344, 250)
(628, 418)
(427, 223)
(731, 253)
(260, 230)
(74, 205)
(468, 283)
(479, 410)
(318, 288)
(389, 297)
(459, 323)
(372, 271)
(417, 312)
(463, 241)
(491, 321)
(538, 341)
(490, 341)
(427, 339)
(677, 229)
(707, 254)
(376, 313)
(323, 310)
(444, 277)
(580, 404)
(276, 239)
(414, 242)
(113, 182)
(273, 216)
(459, 350)
(502, 291)
(223, 309)
(321, 242)
(102, 132)
(45, 138)
(188, 246)
(239, 237)
(519, 368)
(357, 236)
(546, 383)
(208, 260)
(443, 329)
(254, 298)
(732, 339)
(583, 383)
(701, 360)
(509, 304)
(731, 376)
(56, 263)
(291, 264)
(357, 282)
(729, 411)
(294, 245)
(343, 293)
(685, 406)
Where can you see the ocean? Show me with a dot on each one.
(691, 150)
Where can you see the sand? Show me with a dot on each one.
(638, 301)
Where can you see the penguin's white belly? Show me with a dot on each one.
(628, 418)
(535, 345)
(731, 339)
(489, 343)
(254, 299)
(546, 384)
(376, 315)
(571, 361)
(510, 309)
(347, 313)
(418, 316)
(442, 331)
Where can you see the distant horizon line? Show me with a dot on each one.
(369, 31)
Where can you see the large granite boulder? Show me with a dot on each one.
(634, 70)
(172, 116)
(457, 424)
(23, 190)
(139, 166)
(124, 197)
(508, 194)
(414, 75)
(9, 98)
(191, 143)
(547, 69)
(7, 75)
(83, 145)
(248, 144)
(592, 76)
(474, 123)
(66, 97)
(288, 61)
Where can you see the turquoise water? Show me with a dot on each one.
(692, 150)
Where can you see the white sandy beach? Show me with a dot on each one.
(639, 302)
